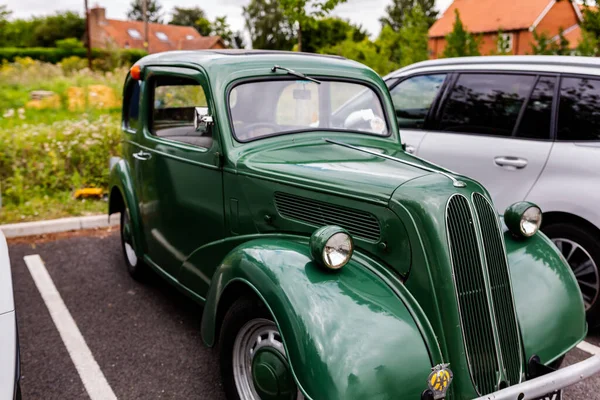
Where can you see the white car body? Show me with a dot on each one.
(9, 356)
(559, 176)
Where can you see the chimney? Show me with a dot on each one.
(98, 16)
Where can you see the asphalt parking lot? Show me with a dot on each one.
(145, 337)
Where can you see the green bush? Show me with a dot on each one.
(45, 159)
(56, 54)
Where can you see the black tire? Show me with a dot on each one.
(245, 310)
(590, 242)
(135, 266)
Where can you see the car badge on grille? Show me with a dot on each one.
(439, 380)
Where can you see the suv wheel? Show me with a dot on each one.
(581, 249)
(254, 363)
(135, 266)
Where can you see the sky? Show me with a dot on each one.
(364, 12)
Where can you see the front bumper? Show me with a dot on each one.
(548, 383)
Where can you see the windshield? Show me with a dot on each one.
(267, 108)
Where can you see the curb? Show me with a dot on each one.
(58, 225)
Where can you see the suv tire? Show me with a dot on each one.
(581, 248)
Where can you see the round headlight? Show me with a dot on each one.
(523, 219)
(331, 246)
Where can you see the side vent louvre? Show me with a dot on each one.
(318, 213)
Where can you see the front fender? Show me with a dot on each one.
(347, 334)
(549, 306)
(121, 184)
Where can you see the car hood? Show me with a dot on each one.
(6, 291)
(334, 168)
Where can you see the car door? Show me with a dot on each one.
(413, 98)
(495, 128)
(182, 194)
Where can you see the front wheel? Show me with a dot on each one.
(581, 249)
(135, 266)
(254, 364)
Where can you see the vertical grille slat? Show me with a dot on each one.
(472, 296)
(500, 286)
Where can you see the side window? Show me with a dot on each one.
(487, 104)
(413, 97)
(578, 112)
(132, 98)
(173, 110)
(535, 123)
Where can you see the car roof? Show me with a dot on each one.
(589, 65)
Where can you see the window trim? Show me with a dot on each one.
(267, 78)
(559, 86)
(457, 73)
(430, 118)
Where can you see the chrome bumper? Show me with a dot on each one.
(548, 383)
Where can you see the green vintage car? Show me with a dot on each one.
(272, 188)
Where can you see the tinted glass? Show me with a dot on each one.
(486, 104)
(286, 106)
(535, 123)
(413, 97)
(133, 111)
(579, 113)
(173, 111)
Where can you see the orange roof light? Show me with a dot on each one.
(136, 72)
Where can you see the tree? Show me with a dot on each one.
(58, 26)
(589, 44)
(4, 14)
(221, 28)
(330, 31)
(459, 42)
(397, 11)
(194, 17)
(268, 26)
(153, 11)
(544, 45)
(414, 37)
(365, 52)
(295, 11)
(238, 40)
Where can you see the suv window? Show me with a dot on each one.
(173, 110)
(413, 97)
(578, 113)
(486, 104)
(132, 98)
(535, 123)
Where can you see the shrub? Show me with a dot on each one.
(54, 55)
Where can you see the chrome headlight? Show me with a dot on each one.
(523, 219)
(331, 246)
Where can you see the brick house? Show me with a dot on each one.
(517, 19)
(107, 33)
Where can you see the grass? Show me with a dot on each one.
(58, 205)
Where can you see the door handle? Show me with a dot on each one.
(511, 162)
(142, 155)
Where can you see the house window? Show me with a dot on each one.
(189, 37)
(134, 33)
(162, 37)
(505, 43)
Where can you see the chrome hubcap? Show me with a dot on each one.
(258, 338)
(584, 268)
(126, 235)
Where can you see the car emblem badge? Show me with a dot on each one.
(439, 380)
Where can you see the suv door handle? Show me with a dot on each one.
(142, 155)
(511, 162)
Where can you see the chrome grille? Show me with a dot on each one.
(499, 279)
(472, 296)
(318, 213)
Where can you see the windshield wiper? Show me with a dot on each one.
(292, 72)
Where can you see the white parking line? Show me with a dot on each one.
(90, 373)
(589, 348)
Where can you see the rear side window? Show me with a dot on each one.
(133, 106)
(173, 110)
(535, 123)
(413, 98)
(487, 104)
(578, 113)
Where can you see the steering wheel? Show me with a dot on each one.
(249, 129)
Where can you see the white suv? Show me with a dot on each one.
(528, 128)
